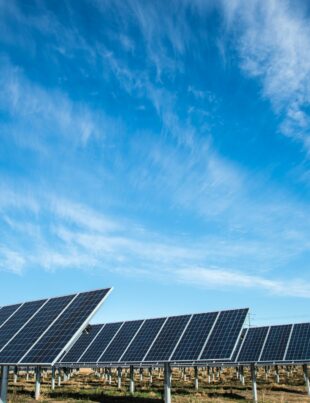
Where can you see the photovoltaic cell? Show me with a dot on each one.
(253, 344)
(7, 311)
(276, 343)
(19, 346)
(194, 337)
(225, 334)
(237, 349)
(167, 338)
(13, 325)
(100, 343)
(61, 332)
(121, 341)
(143, 340)
(81, 344)
(299, 346)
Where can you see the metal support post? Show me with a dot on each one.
(196, 378)
(132, 380)
(38, 384)
(119, 378)
(254, 384)
(53, 378)
(306, 376)
(4, 384)
(167, 386)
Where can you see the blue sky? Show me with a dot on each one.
(158, 147)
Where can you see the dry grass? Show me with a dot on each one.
(87, 387)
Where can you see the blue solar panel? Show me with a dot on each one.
(237, 349)
(19, 346)
(61, 332)
(299, 346)
(81, 344)
(13, 325)
(7, 311)
(253, 344)
(276, 343)
(167, 338)
(143, 340)
(225, 334)
(115, 350)
(101, 342)
(194, 337)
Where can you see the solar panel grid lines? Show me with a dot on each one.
(21, 328)
(224, 335)
(194, 337)
(113, 337)
(156, 337)
(132, 340)
(143, 340)
(92, 341)
(288, 342)
(299, 347)
(7, 312)
(263, 346)
(239, 345)
(276, 343)
(120, 342)
(207, 339)
(181, 336)
(67, 328)
(169, 335)
(251, 348)
(81, 344)
(12, 327)
(236, 344)
(92, 354)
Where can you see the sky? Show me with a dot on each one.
(162, 148)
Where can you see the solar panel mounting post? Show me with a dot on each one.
(38, 384)
(53, 378)
(132, 380)
(277, 376)
(254, 383)
(306, 376)
(196, 378)
(15, 374)
(119, 378)
(167, 385)
(4, 384)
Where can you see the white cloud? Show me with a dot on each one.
(273, 39)
(215, 278)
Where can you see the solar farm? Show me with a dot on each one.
(54, 339)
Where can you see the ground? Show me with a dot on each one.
(88, 387)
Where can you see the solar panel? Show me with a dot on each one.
(276, 343)
(143, 340)
(6, 312)
(82, 343)
(61, 332)
(299, 346)
(100, 343)
(16, 321)
(224, 336)
(115, 350)
(194, 337)
(237, 349)
(167, 338)
(41, 330)
(252, 345)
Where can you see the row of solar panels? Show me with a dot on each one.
(38, 332)
(283, 343)
(199, 337)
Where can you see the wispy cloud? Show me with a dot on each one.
(273, 39)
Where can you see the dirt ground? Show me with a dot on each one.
(86, 386)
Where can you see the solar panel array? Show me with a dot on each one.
(274, 344)
(37, 332)
(200, 337)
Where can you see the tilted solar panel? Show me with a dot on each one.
(275, 345)
(299, 345)
(194, 337)
(240, 341)
(168, 337)
(143, 340)
(6, 312)
(39, 331)
(225, 334)
(81, 345)
(101, 342)
(118, 346)
(252, 345)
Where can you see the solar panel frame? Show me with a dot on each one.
(11, 313)
(301, 346)
(278, 332)
(252, 332)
